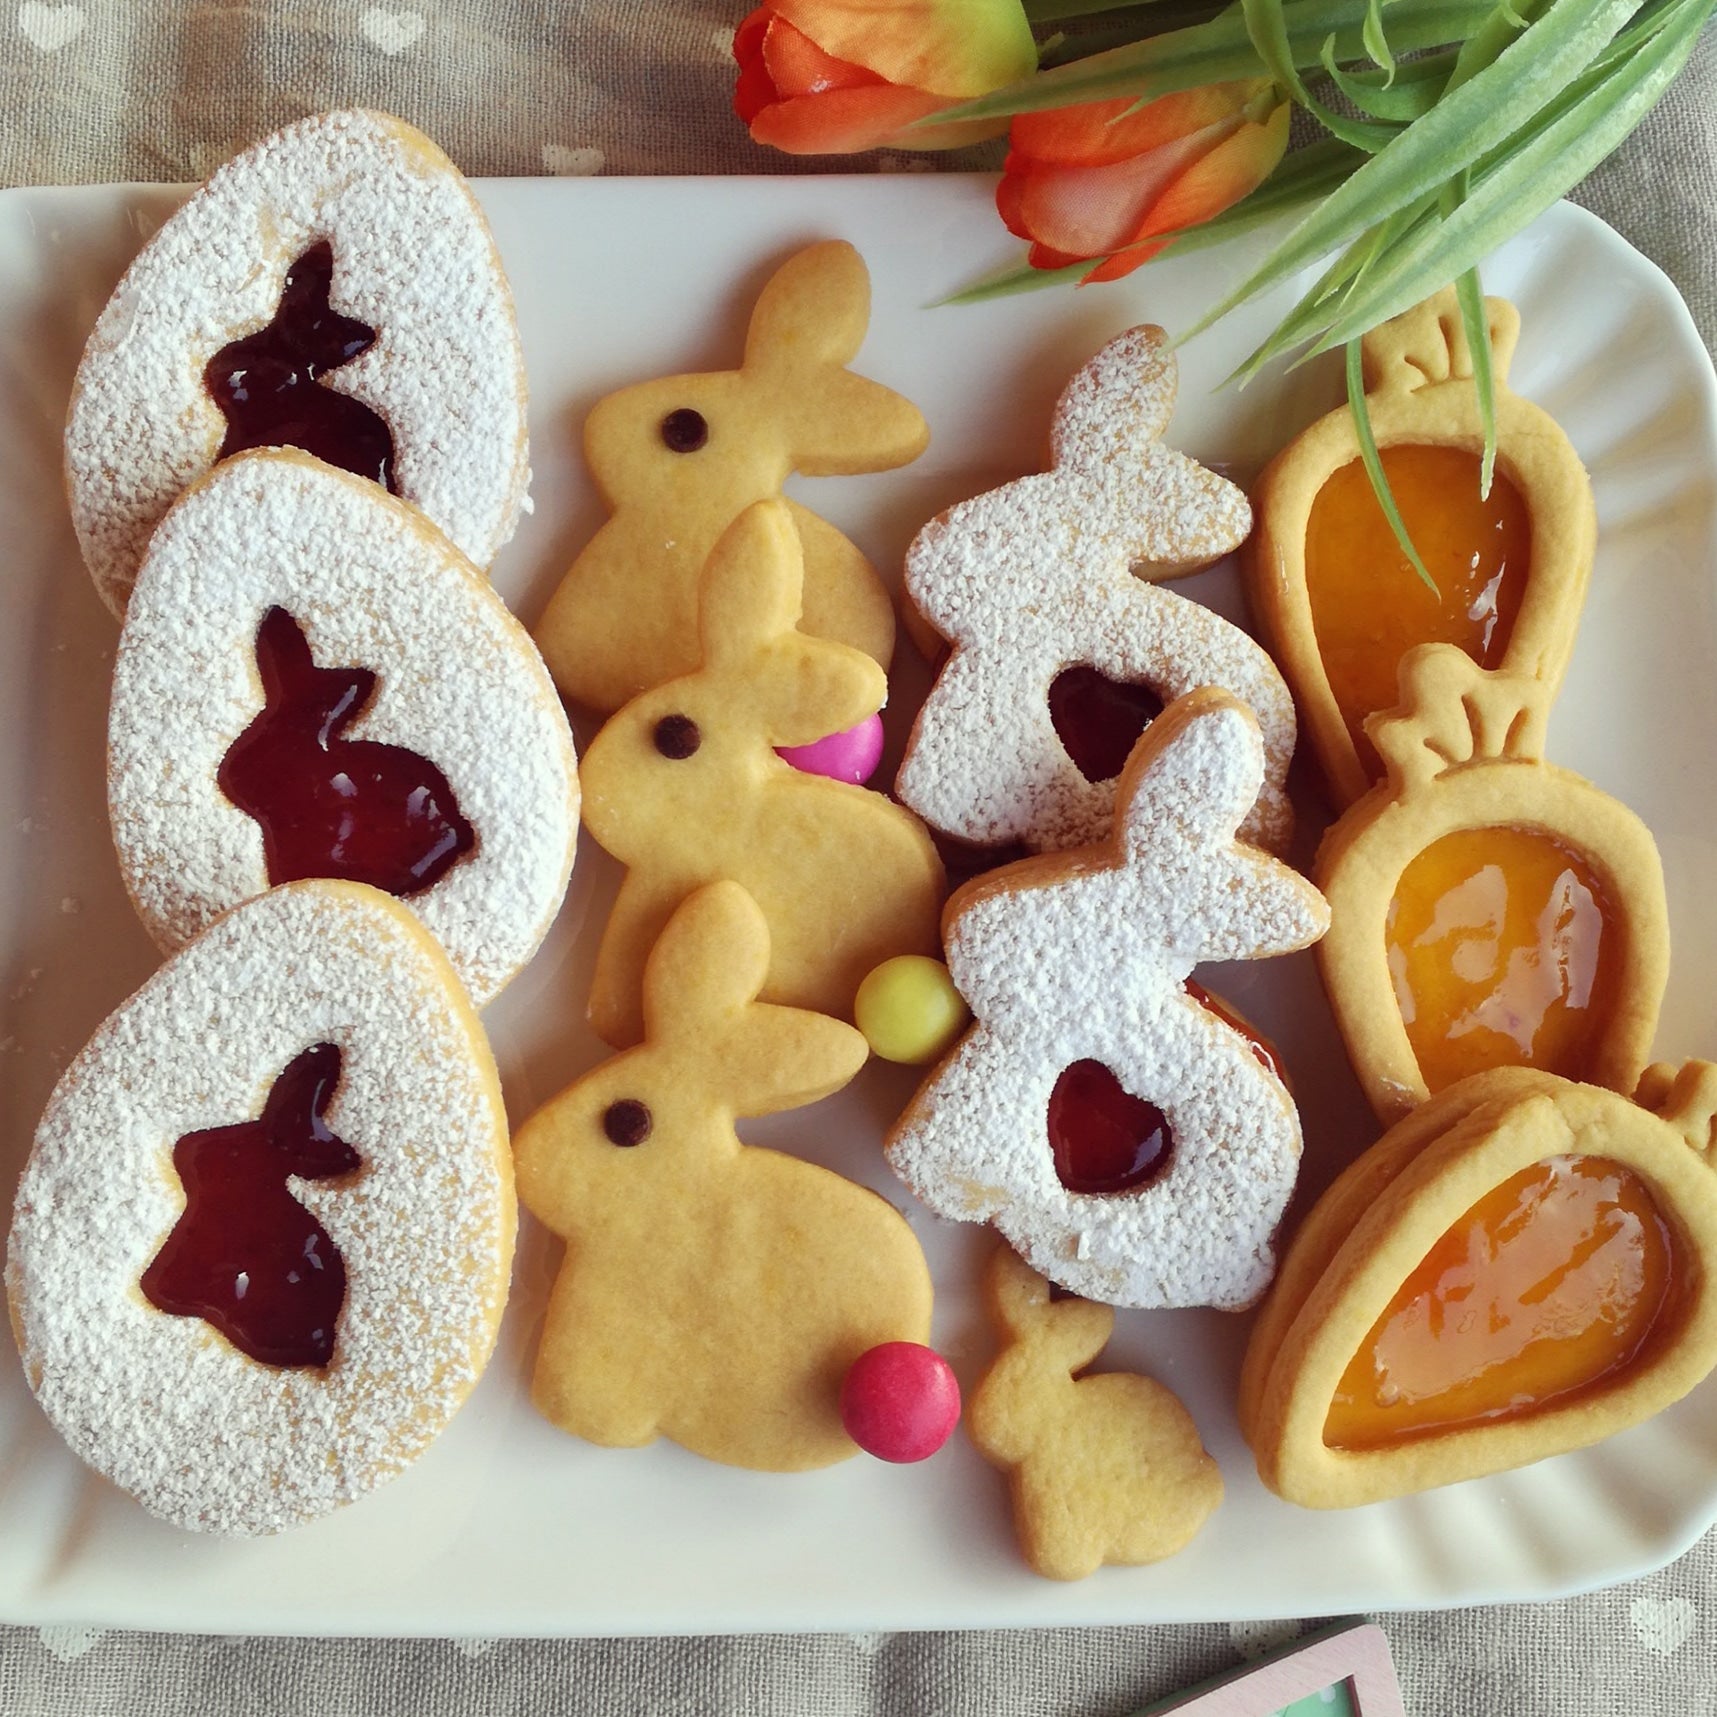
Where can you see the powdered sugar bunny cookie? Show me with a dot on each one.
(679, 458)
(1063, 647)
(684, 787)
(1127, 1140)
(313, 682)
(333, 288)
(261, 1245)
(712, 1292)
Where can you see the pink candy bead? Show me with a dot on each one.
(849, 756)
(900, 1401)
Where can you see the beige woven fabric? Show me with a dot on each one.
(94, 90)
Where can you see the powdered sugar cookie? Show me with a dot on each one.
(306, 1081)
(684, 787)
(712, 1292)
(678, 458)
(1063, 647)
(1127, 1140)
(313, 682)
(333, 288)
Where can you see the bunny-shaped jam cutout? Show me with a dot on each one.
(683, 787)
(246, 1256)
(1126, 1138)
(678, 459)
(1103, 1469)
(1341, 604)
(712, 1292)
(1063, 647)
(1513, 1270)
(1487, 908)
(268, 384)
(329, 806)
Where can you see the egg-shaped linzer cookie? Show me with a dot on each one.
(262, 1243)
(1519, 1268)
(312, 681)
(1487, 908)
(1341, 604)
(333, 288)
(1134, 1143)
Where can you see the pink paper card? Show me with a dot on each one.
(1344, 1671)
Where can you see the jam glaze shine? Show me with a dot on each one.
(245, 1255)
(355, 810)
(1549, 1285)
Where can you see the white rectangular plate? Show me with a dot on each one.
(510, 1527)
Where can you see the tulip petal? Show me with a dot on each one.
(755, 89)
(952, 48)
(1091, 211)
(799, 67)
(841, 121)
(1098, 133)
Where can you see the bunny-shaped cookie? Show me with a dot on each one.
(713, 1292)
(1125, 1138)
(679, 458)
(1102, 1469)
(1043, 587)
(683, 787)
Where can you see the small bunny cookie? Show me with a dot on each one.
(1123, 1136)
(679, 458)
(312, 681)
(1102, 1469)
(1063, 647)
(683, 787)
(712, 1292)
(333, 288)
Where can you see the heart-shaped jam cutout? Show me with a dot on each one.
(1102, 1137)
(1369, 605)
(1098, 720)
(1551, 1283)
(1502, 952)
(352, 809)
(268, 384)
(245, 1255)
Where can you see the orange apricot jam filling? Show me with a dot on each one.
(1551, 1283)
(1369, 605)
(1502, 952)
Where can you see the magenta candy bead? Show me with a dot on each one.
(900, 1402)
(849, 756)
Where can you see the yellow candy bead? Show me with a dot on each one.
(909, 1010)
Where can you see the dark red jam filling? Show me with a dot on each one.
(1104, 1139)
(1098, 720)
(354, 809)
(268, 385)
(245, 1255)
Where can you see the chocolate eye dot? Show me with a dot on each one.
(626, 1122)
(684, 431)
(677, 736)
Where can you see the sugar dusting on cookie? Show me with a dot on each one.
(413, 259)
(1044, 573)
(203, 1436)
(1088, 963)
(458, 681)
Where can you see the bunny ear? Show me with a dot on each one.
(782, 1058)
(1194, 774)
(1070, 1332)
(1119, 403)
(752, 587)
(813, 313)
(709, 962)
(805, 689)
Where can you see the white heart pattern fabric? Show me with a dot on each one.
(392, 32)
(50, 28)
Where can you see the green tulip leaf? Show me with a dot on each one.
(1373, 461)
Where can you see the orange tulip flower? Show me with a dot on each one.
(1095, 182)
(821, 77)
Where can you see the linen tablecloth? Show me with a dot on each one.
(99, 90)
